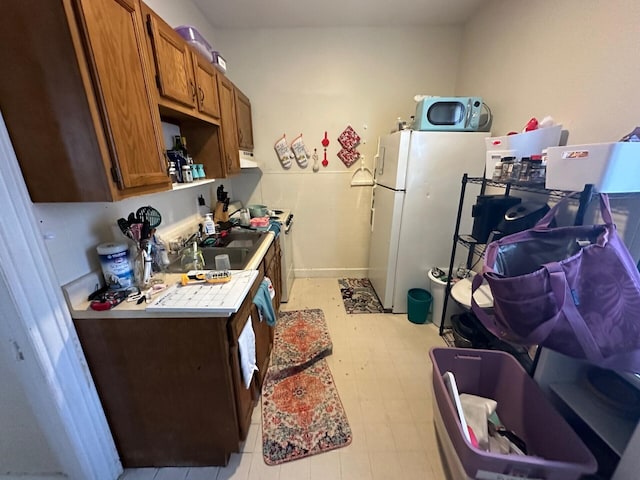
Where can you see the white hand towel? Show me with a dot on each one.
(247, 348)
(272, 292)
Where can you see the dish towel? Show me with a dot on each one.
(247, 347)
(262, 300)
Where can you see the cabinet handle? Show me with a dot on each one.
(201, 94)
(193, 90)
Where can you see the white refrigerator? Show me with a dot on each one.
(418, 176)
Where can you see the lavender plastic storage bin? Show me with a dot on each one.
(522, 407)
(191, 35)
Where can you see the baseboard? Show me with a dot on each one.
(331, 272)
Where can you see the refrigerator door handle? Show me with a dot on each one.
(380, 166)
(373, 206)
(375, 160)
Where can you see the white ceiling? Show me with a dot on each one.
(336, 13)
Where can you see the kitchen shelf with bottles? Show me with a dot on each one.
(476, 248)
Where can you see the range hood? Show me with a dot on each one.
(246, 160)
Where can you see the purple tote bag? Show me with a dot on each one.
(575, 290)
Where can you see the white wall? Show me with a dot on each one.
(573, 59)
(21, 430)
(314, 80)
(74, 230)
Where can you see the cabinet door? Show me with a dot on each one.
(272, 269)
(165, 386)
(131, 119)
(172, 58)
(206, 86)
(245, 397)
(245, 127)
(263, 344)
(277, 273)
(228, 120)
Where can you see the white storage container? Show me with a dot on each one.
(612, 167)
(520, 145)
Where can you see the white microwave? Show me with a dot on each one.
(458, 114)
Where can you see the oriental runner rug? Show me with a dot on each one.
(302, 414)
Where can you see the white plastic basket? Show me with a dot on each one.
(612, 167)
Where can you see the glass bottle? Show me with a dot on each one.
(185, 152)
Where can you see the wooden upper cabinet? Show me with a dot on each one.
(117, 56)
(207, 86)
(186, 81)
(230, 145)
(172, 59)
(243, 117)
(77, 100)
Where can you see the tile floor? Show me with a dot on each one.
(382, 370)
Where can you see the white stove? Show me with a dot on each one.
(285, 217)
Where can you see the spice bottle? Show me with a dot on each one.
(172, 172)
(538, 169)
(525, 168)
(497, 172)
(515, 170)
(507, 168)
(187, 177)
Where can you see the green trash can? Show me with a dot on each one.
(418, 305)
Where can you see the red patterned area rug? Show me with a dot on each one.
(302, 414)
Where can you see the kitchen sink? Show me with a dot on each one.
(236, 239)
(239, 245)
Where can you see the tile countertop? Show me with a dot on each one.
(76, 294)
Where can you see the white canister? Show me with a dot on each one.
(116, 265)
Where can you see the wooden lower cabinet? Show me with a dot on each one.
(171, 388)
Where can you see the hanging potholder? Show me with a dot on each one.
(349, 139)
(348, 157)
(300, 151)
(284, 152)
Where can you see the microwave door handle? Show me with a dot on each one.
(467, 119)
